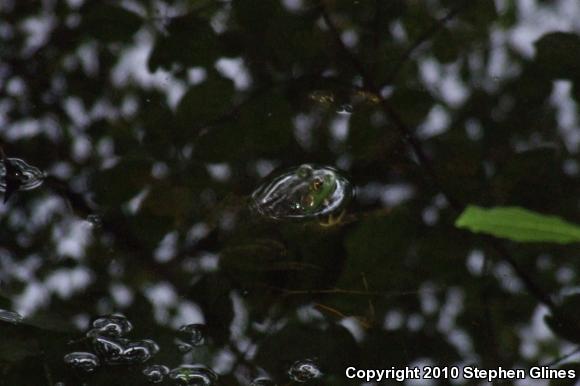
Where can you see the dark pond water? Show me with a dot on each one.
(263, 192)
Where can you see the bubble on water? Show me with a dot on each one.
(191, 335)
(110, 325)
(110, 349)
(156, 373)
(344, 109)
(193, 375)
(119, 351)
(95, 220)
(10, 316)
(263, 382)
(302, 192)
(304, 371)
(141, 351)
(20, 175)
(84, 361)
(182, 346)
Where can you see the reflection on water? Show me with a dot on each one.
(156, 120)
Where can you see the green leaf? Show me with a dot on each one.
(518, 224)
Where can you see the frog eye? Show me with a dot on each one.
(304, 171)
(316, 184)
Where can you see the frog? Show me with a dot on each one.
(305, 192)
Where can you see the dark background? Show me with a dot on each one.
(156, 119)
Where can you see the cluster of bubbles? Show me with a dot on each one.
(304, 192)
(112, 348)
(107, 336)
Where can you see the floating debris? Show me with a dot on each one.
(191, 335)
(15, 175)
(304, 371)
(84, 361)
(303, 192)
(156, 373)
(366, 96)
(193, 375)
(10, 316)
(322, 96)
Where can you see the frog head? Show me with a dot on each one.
(320, 190)
(303, 192)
